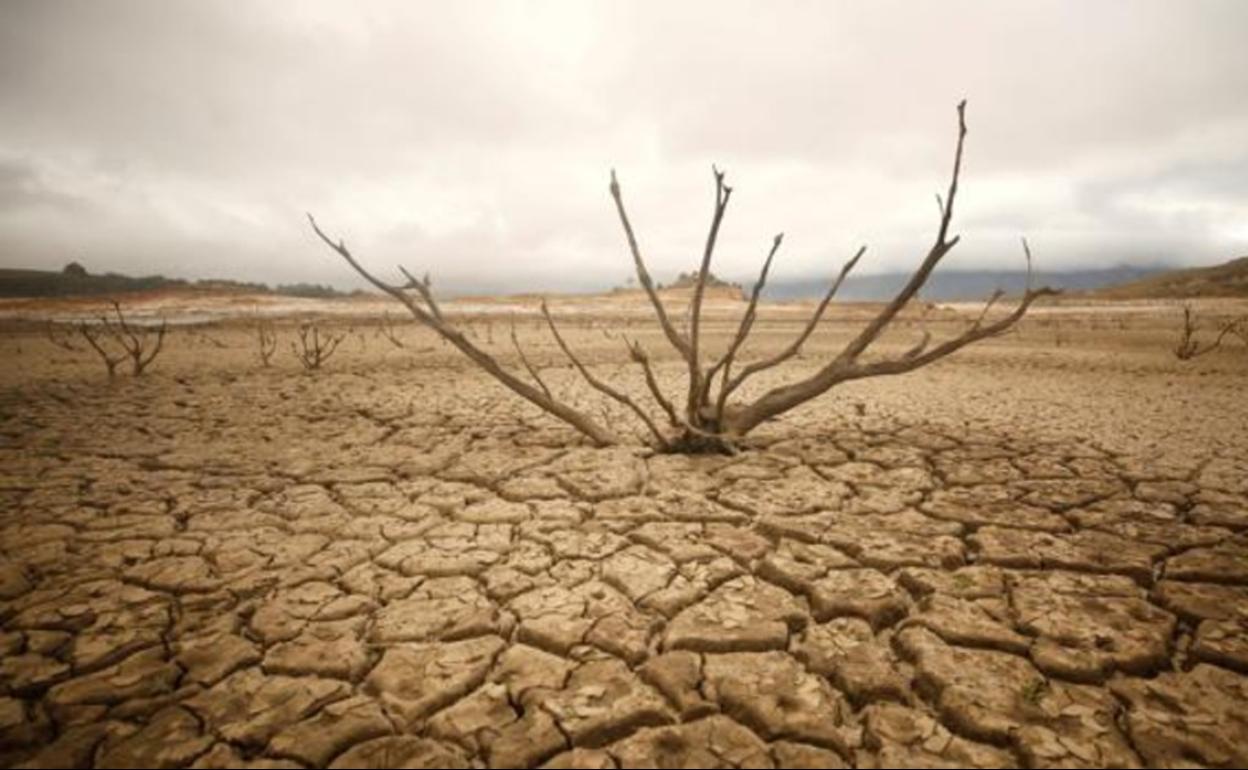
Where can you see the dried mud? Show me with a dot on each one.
(1032, 554)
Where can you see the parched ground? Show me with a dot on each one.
(1032, 554)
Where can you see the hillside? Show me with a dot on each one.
(1226, 280)
(955, 285)
(75, 281)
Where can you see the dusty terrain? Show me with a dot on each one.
(1034, 553)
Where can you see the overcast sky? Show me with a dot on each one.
(475, 140)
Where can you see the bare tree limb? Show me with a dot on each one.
(784, 398)
(643, 275)
(1188, 347)
(525, 360)
(638, 354)
(722, 193)
(743, 330)
(92, 336)
(134, 342)
(939, 249)
(598, 384)
(312, 350)
(795, 346)
(578, 420)
(844, 366)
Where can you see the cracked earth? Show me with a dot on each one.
(1023, 556)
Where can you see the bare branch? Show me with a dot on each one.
(312, 350)
(638, 354)
(525, 360)
(643, 275)
(919, 347)
(134, 342)
(743, 331)
(424, 288)
(722, 193)
(845, 367)
(909, 362)
(795, 346)
(598, 384)
(92, 336)
(446, 331)
(939, 249)
(1188, 347)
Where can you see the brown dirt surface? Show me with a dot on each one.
(1034, 553)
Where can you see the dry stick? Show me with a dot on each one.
(433, 319)
(525, 360)
(939, 249)
(638, 354)
(801, 392)
(1188, 348)
(90, 335)
(844, 367)
(643, 275)
(743, 331)
(315, 352)
(722, 193)
(919, 347)
(423, 287)
(598, 384)
(796, 345)
(131, 341)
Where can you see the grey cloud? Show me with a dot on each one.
(474, 139)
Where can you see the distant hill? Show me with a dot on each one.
(1226, 280)
(952, 285)
(75, 281)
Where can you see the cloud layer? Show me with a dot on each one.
(474, 140)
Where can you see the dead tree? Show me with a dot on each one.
(1188, 347)
(266, 336)
(95, 336)
(313, 349)
(140, 343)
(705, 419)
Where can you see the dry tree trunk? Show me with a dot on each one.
(706, 420)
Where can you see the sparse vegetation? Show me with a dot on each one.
(140, 343)
(314, 349)
(1189, 347)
